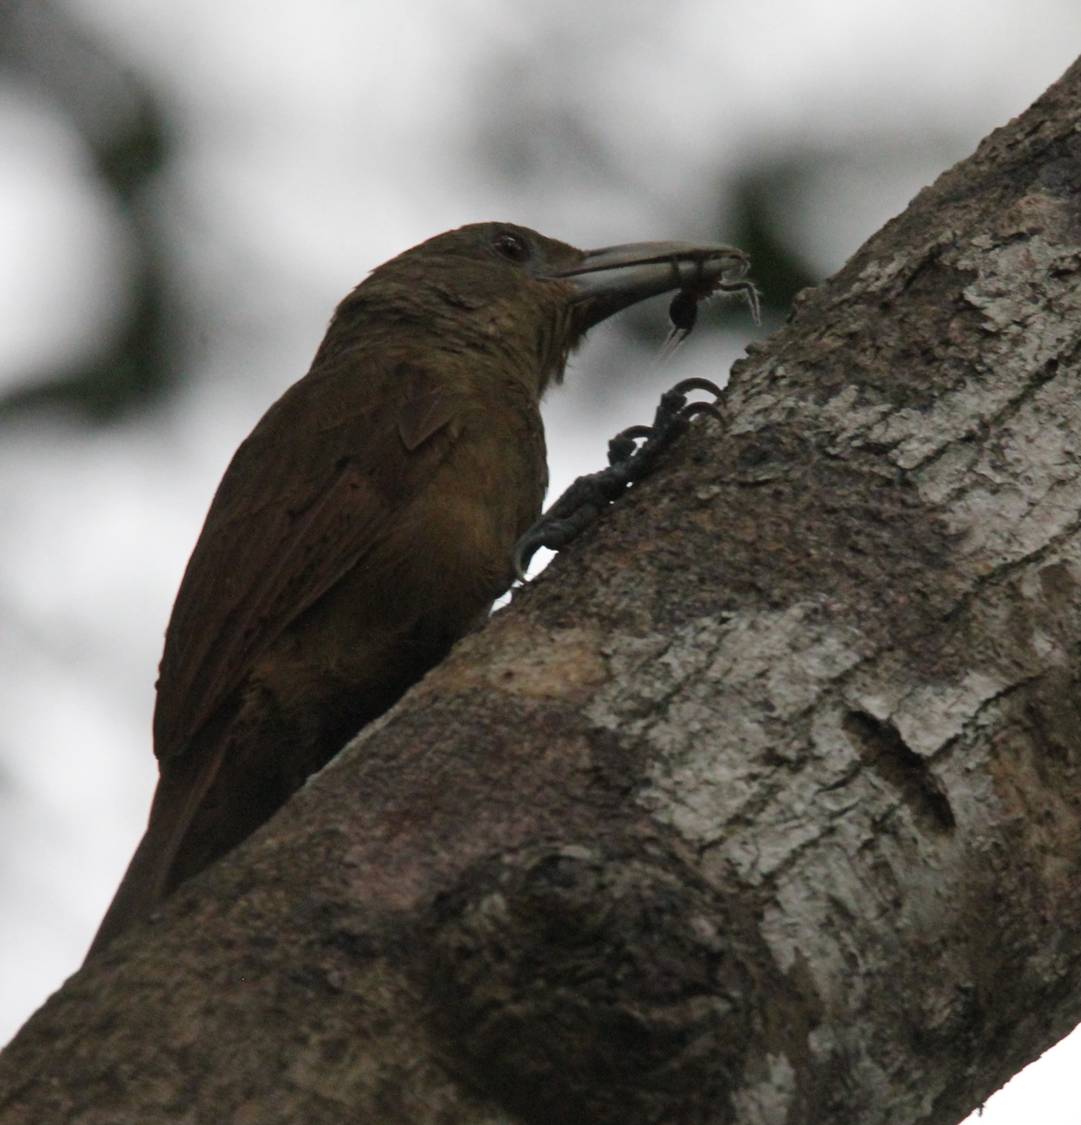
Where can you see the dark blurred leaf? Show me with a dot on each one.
(129, 142)
(776, 266)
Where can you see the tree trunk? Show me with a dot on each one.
(762, 805)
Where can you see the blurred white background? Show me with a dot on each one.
(187, 190)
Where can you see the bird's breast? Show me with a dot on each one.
(460, 532)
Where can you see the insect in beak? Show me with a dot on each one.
(683, 311)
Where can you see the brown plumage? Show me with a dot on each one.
(368, 522)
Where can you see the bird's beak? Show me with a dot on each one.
(605, 281)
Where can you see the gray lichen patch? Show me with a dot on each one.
(724, 706)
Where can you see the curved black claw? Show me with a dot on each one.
(695, 383)
(526, 548)
(628, 463)
(694, 408)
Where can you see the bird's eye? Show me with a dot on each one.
(511, 246)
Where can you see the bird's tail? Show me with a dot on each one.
(182, 787)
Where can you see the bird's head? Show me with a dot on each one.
(502, 288)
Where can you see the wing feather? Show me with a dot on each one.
(307, 494)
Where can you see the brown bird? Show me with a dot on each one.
(368, 522)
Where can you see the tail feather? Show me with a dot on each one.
(181, 790)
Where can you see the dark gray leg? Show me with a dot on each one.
(628, 462)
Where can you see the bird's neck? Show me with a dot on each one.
(441, 329)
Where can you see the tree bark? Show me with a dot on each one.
(762, 805)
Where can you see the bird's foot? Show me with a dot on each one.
(632, 454)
